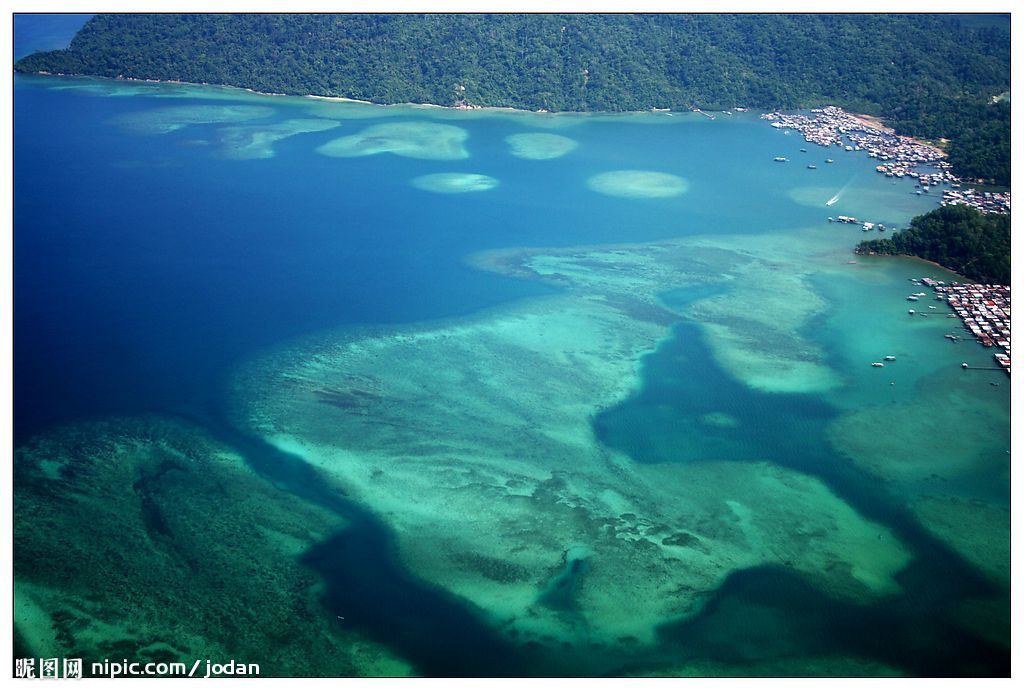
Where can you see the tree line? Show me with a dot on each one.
(928, 75)
(961, 238)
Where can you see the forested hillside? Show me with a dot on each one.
(960, 238)
(928, 75)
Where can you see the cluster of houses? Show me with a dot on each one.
(985, 312)
(833, 126)
(898, 156)
(985, 202)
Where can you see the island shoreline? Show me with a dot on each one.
(868, 120)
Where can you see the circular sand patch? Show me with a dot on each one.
(426, 140)
(638, 184)
(455, 183)
(538, 146)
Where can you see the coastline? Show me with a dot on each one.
(462, 551)
(963, 279)
(346, 99)
(871, 121)
(867, 120)
(879, 124)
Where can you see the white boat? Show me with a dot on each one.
(832, 201)
(890, 358)
(912, 298)
(781, 159)
(877, 364)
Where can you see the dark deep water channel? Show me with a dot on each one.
(146, 269)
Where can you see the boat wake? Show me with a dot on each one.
(838, 194)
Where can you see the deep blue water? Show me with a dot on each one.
(145, 265)
(146, 268)
(37, 32)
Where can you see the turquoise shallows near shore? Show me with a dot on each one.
(455, 183)
(638, 184)
(173, 118)
(538, 146)
(427, 140)
(257, 141)
(145, 539)
(474, 438)
(554, 460)
(928, 454)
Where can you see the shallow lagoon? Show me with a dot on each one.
(505, 438)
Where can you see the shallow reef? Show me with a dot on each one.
(173, 118)
(473, 440)
(638, 184)
(145, 539)
(414, 139)
(539, 146)
(455, 183)
(256, 141)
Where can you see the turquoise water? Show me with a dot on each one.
(152, 259)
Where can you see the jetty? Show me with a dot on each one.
(984, 310)
(898, 156)
(985, 202)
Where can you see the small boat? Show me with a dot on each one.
(832, 201)
(781, 159)
(910, 312)
(912, 298)
(803, 151)
(828, 160)
(890, 358)
(812, 166)
(877, 364)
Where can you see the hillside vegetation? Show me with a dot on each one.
(973, 244)
(927, 75)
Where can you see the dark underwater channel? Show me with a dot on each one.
(908, 631)
(759, 614)
(88, 286)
